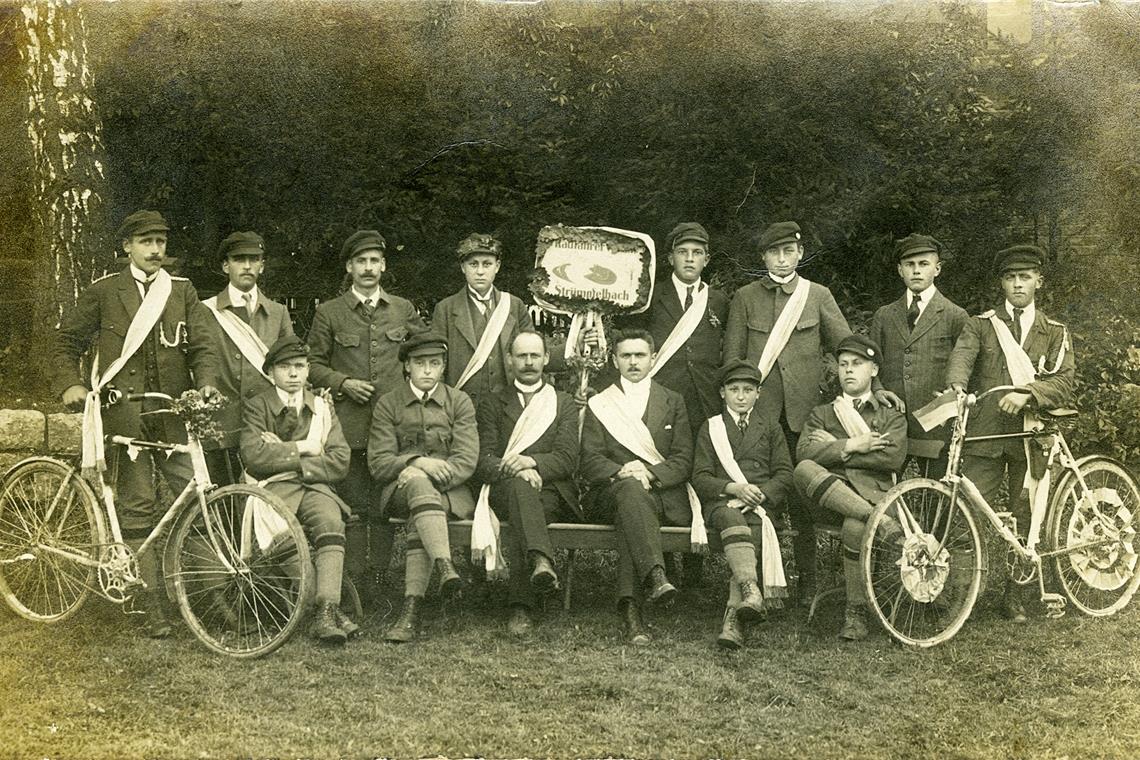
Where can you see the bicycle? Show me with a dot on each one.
(924, 584)
(236, 562)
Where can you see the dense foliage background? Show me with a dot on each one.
(428, 121)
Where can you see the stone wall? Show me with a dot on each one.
(26, 432)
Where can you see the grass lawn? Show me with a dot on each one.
(93, 688)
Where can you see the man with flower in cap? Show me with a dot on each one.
(422, 449)
(850, 452)
(917, 333)
(292, 440)
(355, 340)
(480, 321)
(150, 334)
(247, 322)
(1014, 344)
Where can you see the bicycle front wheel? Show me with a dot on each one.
(922, 583)
(239, 570)
(49, 523)
(1096, 533)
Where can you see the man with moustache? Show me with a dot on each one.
(528, 436)
(247, 323)
(151, 334)
(354, 342)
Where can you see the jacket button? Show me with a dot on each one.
(133, 371)
(237, 356)
(907, 351)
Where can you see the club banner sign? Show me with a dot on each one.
(602, 269)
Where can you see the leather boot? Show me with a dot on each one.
(450, 583)
(344, 622)
(661, 591)
(325, 628)
(731, 633)
(520, 622)
(156, 624)
(404, 629)
(751, 609)
(543, 578)
(633, 625)
(1012, 606)
(854, 625)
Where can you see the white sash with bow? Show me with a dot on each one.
(243, 336)
(143, 322)
(487, 341)
(532, 424)
(1021, 372)
(782, 330)
(852, 422)
(610, 409)
(683, 330)
(772, 570)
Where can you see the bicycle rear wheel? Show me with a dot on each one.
(239, 571)
(1098, 570)
(922, 584)
(47, 512)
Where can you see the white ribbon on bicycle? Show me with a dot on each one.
(535, 420)
(262, 521)
(1022, 373)
(147, 316)
(772, 563)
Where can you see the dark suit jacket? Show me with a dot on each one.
(872, 474)
(344, 344)
(452, 319)
(762, 453)
(264, 412)
(978, 364)
(444, 428)
(914, 363)
(693, 370)
(555, 453)
(793, 387)
(668, 422)
(101, 317)
(237, 378)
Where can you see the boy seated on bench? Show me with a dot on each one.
(849, 453)
(637, 455)
(743, 473)
(528, 452)
(293, 438)
(422, 449)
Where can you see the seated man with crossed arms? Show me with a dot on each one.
(637, 455)
(742, 471)
(849, 453)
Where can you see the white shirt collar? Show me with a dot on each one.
(783, 280)
(524, 388)
(1028, 314)
(476, 297)
(422, 395)
(140, 275)
(736, 417)
(925, 295)
(637, 394)
(375, 297)
(864, 398)
(683, 287)
(237, 297)
(291, 400)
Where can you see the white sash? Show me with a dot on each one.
(532, 424)
(772, 570)
(782, 330)
(488, 340)
(1021, 372)
(852, 422)
(143, 322)
(243, 336)
(683, 330)
(610, 409)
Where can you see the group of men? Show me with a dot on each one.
(712, 400)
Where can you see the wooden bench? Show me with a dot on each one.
(575, 536)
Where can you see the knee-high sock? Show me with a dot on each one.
(740, 553)
(431, 526)
(734, 595)
(417, 564)
(329, 561)
(853, 578)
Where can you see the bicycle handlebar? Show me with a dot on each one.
(972, 399)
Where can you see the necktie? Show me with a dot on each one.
(245, 312)
(366, 306)
(688, 298)
(1017, 324)
(913, 312)
(525, 398)
(742, 423)
(857, 403)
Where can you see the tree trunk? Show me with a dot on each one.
(67, 153)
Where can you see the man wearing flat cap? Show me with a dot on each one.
(742, 472)
(1013, 344)
(355, 340)
(850, 452)
(917, 333)
(480, 321)
(247, 322)
(150, 334)
(293, 439)
(422, 449)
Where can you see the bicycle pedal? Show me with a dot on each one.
(1054, 605)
